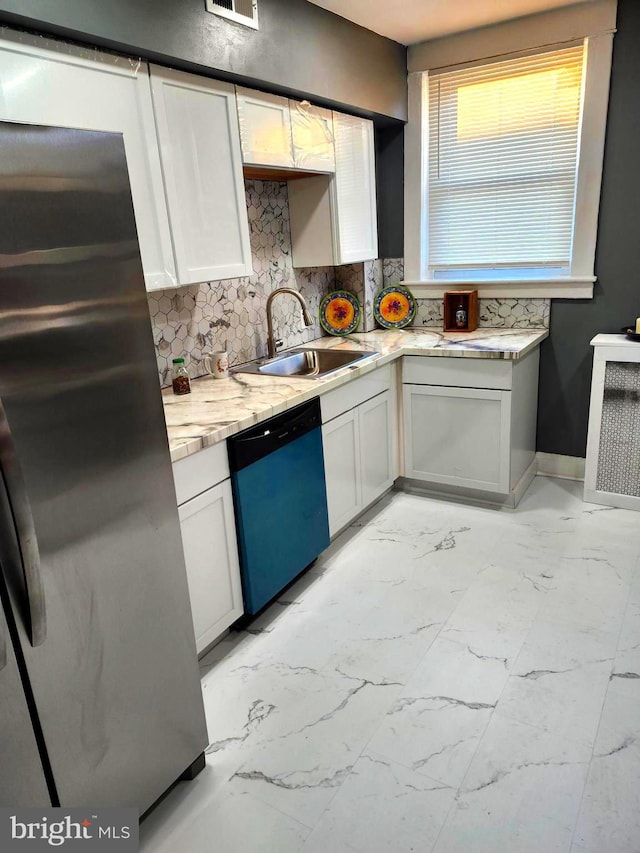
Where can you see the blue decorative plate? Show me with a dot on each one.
(340, 313)
(394, 307)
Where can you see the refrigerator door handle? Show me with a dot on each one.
(25, 531)
(3, 647)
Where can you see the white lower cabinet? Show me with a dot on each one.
(359, 454)
(211, 557)
(207, 522)
(470, 425)
(341, 445)
(377, 446)
(458, 436)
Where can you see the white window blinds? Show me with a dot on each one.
(503, 148)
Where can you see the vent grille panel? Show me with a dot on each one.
(241, 11)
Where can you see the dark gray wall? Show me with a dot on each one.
(566, 357)
(299, 48)
(390, 188)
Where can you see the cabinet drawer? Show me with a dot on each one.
(353, 393)
(457, 372)
(199, 472)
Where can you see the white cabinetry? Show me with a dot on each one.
(45, 82)
(265, 129)
(280, 133)
(333, 219)
(471, 425)
(205, 502)
(312, 134)
(458, 436)
(341, 446)
(197, 125)
(377, 423)
(360, 444)
(354, 190)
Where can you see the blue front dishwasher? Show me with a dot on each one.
(280, 499)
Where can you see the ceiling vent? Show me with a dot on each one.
(241, 11)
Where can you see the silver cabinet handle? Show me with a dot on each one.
(25, 530)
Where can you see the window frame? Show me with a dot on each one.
(579, 283)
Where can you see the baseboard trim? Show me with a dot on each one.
(611, 499)
(563, 467)
(474, 497)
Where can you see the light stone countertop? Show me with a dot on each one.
(218, 408)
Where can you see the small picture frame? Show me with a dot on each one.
(460, 310)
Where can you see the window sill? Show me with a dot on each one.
(559, 288)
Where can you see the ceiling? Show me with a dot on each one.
(410, 21)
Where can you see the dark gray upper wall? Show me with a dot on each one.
(299, 49)
(566, 357)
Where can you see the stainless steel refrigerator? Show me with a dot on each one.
(100, 700)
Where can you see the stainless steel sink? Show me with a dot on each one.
(306, 363)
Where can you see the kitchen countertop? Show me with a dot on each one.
(218, 408)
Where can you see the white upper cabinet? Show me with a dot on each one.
(197, 124)
(48, 83)
(354, 190)
(265, 129)
(312, 133)
(333, 218)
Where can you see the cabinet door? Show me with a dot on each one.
(64, 86)
(312, 132)
(340, 439)
(197, 124)
(354, 190)
(211, 557)
(457, 436)
(265, 128)
(376, 446)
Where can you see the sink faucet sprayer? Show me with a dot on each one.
(272, 345)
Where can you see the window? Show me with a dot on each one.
(510, 165)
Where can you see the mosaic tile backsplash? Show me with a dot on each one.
(231, 314)
(493, 313)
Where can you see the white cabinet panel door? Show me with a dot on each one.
(197, 124)
(354, 190)
(376, 446)
(457, 436)
(211, 557)
(312, 131)
(55, 84)
(341, 445)
(265, 128)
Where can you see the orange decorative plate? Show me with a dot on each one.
(339, 313)
(394, 307)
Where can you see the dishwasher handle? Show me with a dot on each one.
(259, 441)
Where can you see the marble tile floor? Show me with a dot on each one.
(446, 678)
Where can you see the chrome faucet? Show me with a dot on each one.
(273, 345)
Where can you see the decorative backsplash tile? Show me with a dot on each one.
(493, 313)
(392, 271)
(231, 314)
(351, 277)
(364, 280)
(372, 284)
